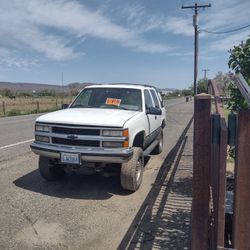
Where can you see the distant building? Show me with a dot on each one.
(166, 92)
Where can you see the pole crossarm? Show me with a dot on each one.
(196, 6)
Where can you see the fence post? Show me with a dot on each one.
(4, 111)
(241, 225)
(37, 107)
(202, 154)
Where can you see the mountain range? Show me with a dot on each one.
(36, 87)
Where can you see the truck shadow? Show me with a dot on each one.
(148, 229)
(74, 186)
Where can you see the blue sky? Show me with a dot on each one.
(101, 41)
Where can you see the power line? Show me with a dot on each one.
(225, 32)
(196, 7)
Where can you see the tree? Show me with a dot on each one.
(202, 86)
(74, 88)
(47, 92)
(223, 81)
(187, 92)
(175, 93)
(7, 93)
(239, 60)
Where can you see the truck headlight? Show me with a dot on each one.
(112, 144)
(115, 133)
(42, 128)
(42, 138)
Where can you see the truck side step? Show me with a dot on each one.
(150, 148)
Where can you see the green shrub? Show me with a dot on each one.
(14, 112)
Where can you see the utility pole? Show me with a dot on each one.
(205, 78)
(205, 73)
(196, 7)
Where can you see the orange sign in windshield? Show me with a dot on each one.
(113, 101)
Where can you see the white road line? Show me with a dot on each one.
(173, 104)
(15, 121)
(16, 144)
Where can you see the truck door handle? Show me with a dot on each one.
(155, 117)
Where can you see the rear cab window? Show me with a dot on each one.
(156, 100)
(148, 100)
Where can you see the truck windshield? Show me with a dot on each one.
(109, 98)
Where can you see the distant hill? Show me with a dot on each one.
(37, 87)
(30, 87)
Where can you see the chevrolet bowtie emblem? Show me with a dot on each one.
(72, 137)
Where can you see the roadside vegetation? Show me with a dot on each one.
(12, 104)
(239, 61)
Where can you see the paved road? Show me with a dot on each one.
(19, 129)
(79, 212)
(15, 135)
(16, 129)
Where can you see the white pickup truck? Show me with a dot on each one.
(106, 127)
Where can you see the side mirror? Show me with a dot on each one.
(153, 111)
(65, 105)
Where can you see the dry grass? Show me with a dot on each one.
(20, 106)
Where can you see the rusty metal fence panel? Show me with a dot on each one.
(209, 181)
(218, 183)
(218, 168)
(241, 225)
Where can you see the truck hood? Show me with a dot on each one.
(89, 117)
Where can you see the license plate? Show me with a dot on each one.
(70, 158)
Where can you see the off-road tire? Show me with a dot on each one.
(158, 148)
(50, 171)
(132, 171)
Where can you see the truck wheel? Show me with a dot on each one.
(49, 171)
(159, 146)
(132, 171)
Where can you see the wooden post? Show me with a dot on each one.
(202, 154)
(56, 102)
(37, 107)
(4, 110)
(241, 225)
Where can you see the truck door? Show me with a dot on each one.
(153, 120)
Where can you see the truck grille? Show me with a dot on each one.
(65, 131)
(83, 143)
(75, 131)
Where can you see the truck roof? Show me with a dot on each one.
(122, 85)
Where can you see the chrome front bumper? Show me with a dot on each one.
(87, 154)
